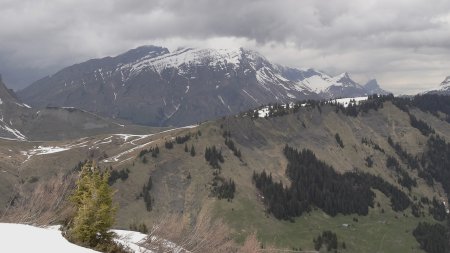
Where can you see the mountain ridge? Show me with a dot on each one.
(18, 121)
(442, 89)
(152, 86)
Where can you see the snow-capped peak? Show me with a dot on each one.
(184, 57)
(344, 79)
(446, 82)
(344, 75)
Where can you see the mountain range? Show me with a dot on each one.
(370, 170)
(150, 85)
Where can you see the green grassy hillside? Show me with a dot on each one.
(182, 183)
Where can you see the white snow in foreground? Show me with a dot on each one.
(20, 238)
(131, 240)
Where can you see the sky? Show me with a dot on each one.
(404, 44)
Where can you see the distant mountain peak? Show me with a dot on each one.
(373, 87)
(344, 75)
(372, 84)
(446, 82)
(7, 94)
(344, 79)
(443, 88)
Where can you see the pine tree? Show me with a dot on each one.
(192, 151)
(94, 208)
(186, 148)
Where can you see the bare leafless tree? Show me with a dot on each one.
(172, 234)
(45, 205)
(251, 245)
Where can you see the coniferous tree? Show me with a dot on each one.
(433, 238)
(192, 150)
(148, 199)
(94, 208)
(339, 140)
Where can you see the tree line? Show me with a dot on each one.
(314, 183)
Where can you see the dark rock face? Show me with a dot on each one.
(18, 121)
(10, 108)
(372, 87)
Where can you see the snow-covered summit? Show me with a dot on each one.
(183, 58)
(345, 80)
(326, 86)
(443, 88)
(446, 82)
(373, 87)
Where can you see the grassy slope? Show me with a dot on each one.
(261, 142)
(377, 232)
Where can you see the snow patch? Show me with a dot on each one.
(20, 238)
(17, 134)
(254, 99)
(263, 112)
(221, 100)
(318, 83)
(291, 96)
(46, 150)
(183, 58)
(139, 146)
(347, 101)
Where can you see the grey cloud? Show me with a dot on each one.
(369, 38)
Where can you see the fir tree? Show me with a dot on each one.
(192, 151)
(94, 208)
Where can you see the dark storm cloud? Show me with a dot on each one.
(405, 43)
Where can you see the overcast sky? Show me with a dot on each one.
(405, 44)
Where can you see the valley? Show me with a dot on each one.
(225, 126)
(184, 183)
